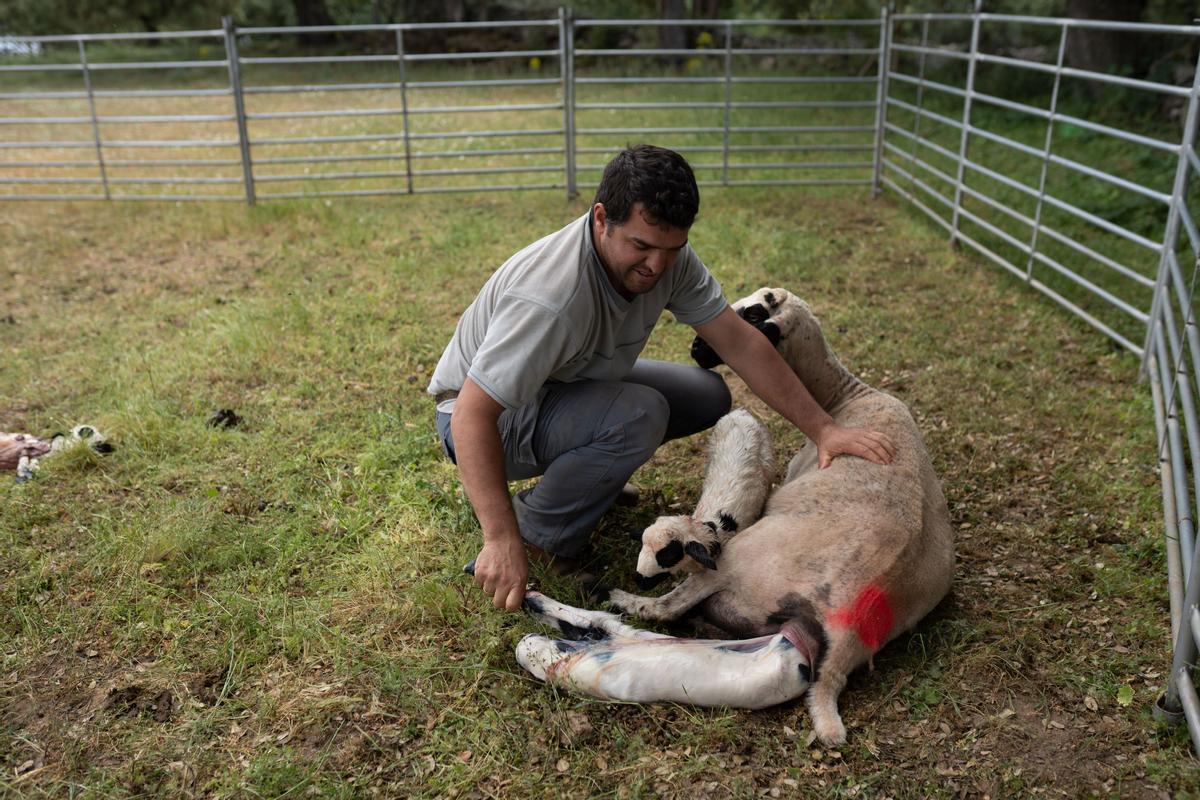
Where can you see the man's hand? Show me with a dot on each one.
(501, 569)
(834, 440)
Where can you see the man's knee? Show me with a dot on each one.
(643, 414)
(713, 400)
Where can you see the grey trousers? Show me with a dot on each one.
(588, 437)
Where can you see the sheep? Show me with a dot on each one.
(844, 560)
(736, 482)
(22, 452)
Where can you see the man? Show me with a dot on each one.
(542, 376)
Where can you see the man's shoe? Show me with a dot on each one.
(628, 496)
(561, 565)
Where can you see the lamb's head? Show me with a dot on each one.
(675, 544)
(80, 436)
(793, 329)
(774, 312)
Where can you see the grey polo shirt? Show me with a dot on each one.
(550, 313)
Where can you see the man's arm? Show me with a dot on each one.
(756, 361)
(502, 567)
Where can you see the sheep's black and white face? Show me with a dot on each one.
(760, 310)
(84, 435)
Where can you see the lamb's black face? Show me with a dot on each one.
(757, 315)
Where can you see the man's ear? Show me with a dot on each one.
(599, 214)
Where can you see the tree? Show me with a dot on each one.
(1104, 50)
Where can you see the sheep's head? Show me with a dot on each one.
(675, 544)
(771, 311)
(81, 436)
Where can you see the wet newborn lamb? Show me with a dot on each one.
(741, 467)
(844, 560)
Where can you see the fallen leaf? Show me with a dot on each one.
(1091, 704)
(563, 765)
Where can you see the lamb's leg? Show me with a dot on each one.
(579, 623)
(672, 605)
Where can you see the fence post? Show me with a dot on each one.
(1172, 701)
(239, 105)
(566, 69)
(1171, 234)
(885, 57)
(1037, 211)
(87, 84)
(966, 122)
(728, 103)
(408, 173)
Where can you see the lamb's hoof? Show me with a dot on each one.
(596, 591)
(616, 599)
(537, 653)
(469, 567)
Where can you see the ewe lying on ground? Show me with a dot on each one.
(845, 559)
(741, 467)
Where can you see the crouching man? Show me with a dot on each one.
(542, 375)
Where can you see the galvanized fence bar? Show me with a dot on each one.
(408, 173)
(885, 55)
(239, 105)
(1171, 234)
(727, 118)
(920, 81)
(1046, 153)
(966, 122)
(566, 67)
(87, 84)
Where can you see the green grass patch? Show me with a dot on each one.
(277, 608)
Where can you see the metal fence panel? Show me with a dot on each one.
(1095, 267)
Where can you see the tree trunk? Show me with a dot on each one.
(313, 12)
(671, 37)
(1105, 51)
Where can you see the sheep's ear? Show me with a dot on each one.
(701, 555)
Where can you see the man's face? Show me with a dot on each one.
(636, 253)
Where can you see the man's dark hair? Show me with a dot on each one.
(659, 179)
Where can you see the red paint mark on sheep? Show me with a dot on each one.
(869, 615)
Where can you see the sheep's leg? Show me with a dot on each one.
(844, 654)
(579, 623)
(672, 605)
(753, 673)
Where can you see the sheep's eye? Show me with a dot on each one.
(85, 432)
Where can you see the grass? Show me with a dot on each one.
(276, 609)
